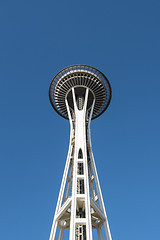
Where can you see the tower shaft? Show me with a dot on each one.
(80, 205)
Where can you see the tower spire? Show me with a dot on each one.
(80, 93)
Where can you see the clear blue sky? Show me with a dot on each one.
(38, 39)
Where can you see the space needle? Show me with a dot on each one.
(80, 93)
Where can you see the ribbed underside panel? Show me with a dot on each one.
(80, 75)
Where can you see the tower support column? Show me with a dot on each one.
(80, 93)
(61, 231)
(80, 187)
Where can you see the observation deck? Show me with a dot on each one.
(80, 77)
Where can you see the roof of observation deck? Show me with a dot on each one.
(80, 75)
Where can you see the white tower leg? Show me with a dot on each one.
(61, 231)
(106, 225)
(80, 145)
(64, 180)
(76, 209)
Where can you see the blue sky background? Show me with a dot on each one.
(38, 39)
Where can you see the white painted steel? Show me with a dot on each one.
(61, 231)
(106, 225)
(70, 202)
(80, 143)
(61, 193)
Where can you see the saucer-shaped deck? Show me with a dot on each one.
(80, 76)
